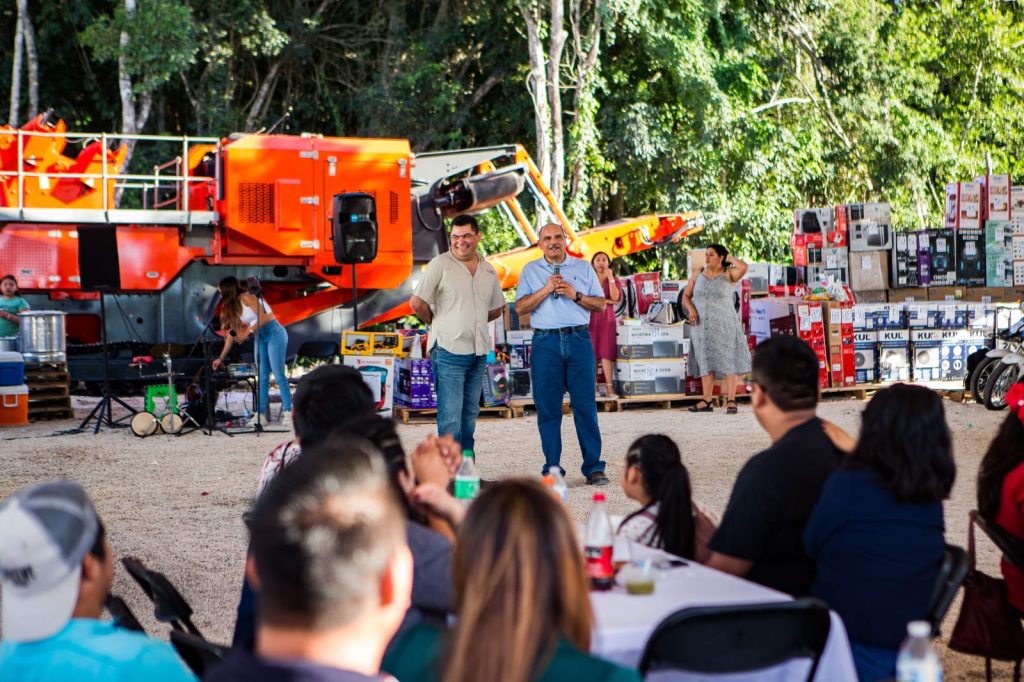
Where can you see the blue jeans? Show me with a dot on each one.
(560, 362)
(459, 380)
(271, 349)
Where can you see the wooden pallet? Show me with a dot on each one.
(418, 415)
(49, 391)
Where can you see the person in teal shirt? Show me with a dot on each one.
(10, 305)
(56, 568)
(522, 600)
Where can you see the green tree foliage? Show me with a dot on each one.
(742, 109)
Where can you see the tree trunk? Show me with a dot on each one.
(536, 83)
(555, 50)
(25, 22)
(19, 39)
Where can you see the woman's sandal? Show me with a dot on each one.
(707, 407)
(730, 407)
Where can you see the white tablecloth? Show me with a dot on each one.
(624, 622)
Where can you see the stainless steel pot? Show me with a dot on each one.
(8, 343)
(42, 336)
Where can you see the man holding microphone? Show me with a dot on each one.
(560, 292)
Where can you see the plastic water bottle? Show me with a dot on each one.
(600, 543)
(559, 487)
(917, 660)
(467, 479)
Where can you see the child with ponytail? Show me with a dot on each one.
(654, 476)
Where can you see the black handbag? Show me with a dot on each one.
(988, 625)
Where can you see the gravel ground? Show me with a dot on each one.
(176, 503)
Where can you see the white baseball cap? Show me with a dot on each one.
(45, 532)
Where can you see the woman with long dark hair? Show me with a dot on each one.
(522, 599)
(1001, 486)
(654, 476)
(877, 533)
(241, 315)
(602, 324)
(718, 347)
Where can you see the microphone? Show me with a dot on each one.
(558, 269)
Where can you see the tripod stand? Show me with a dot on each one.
(103, 413)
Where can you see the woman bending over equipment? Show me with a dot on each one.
(239, 317)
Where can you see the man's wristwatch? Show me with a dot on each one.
(578, 297)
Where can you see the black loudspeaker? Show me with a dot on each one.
(354, 218)
(98, 265)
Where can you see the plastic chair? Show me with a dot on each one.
(199, 655)
(951, 577)
(169, 606)
(737, 639)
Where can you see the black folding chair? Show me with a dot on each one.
(122, 615)
(318, 351)
(169, 606)
(737, 639)
(198, 654)
(951, 577)
(1011, 547)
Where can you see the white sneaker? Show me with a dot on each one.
(286, 419)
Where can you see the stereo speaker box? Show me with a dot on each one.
(99, 267)
(354, 226)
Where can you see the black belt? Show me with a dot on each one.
(567, 330)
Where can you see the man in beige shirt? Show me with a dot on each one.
(458, 295)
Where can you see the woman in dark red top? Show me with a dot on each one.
(602, 324)
(1001, 486)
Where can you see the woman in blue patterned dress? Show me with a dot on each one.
(718, 347)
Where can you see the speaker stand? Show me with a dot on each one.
(103, 412)
(355, 301)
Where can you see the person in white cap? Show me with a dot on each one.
(56, 568)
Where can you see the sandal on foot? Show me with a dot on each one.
(730, 407)
(697, 408)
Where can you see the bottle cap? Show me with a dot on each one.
(548, 480)
(919, 628)
(598, 497)
(467, 453)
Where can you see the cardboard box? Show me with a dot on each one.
(970, 257)
(998, 254)
(936, 263)
(908, 295)
(520, 346)
(903, 263)
(963, 205)
(998, 197)
(834, 266)
(759, 275)
(1018, 273)
(936, 293)
(894, 355)
(985, 294)
(646, 341)
(379, 374)
(923, 315)
(871, 316)
(414, 383)
(520, 384)
(865, 349)
(813, 221)
(495, 392)
(647, 291)
(926, 346)
(1016, 202)
(869, 270)
(879, 296)
(650, 377)
(806, 249)
(869, 226)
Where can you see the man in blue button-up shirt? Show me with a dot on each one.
(560, 292)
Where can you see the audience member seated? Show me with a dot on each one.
(761, 533)
(424, 476)
(877, 534)
(1001, 486)
(521, 595)
(324, 398)
(56, 568)
(654, 476)
(329, 558)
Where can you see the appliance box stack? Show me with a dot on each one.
(414, 384)
(651, 359)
